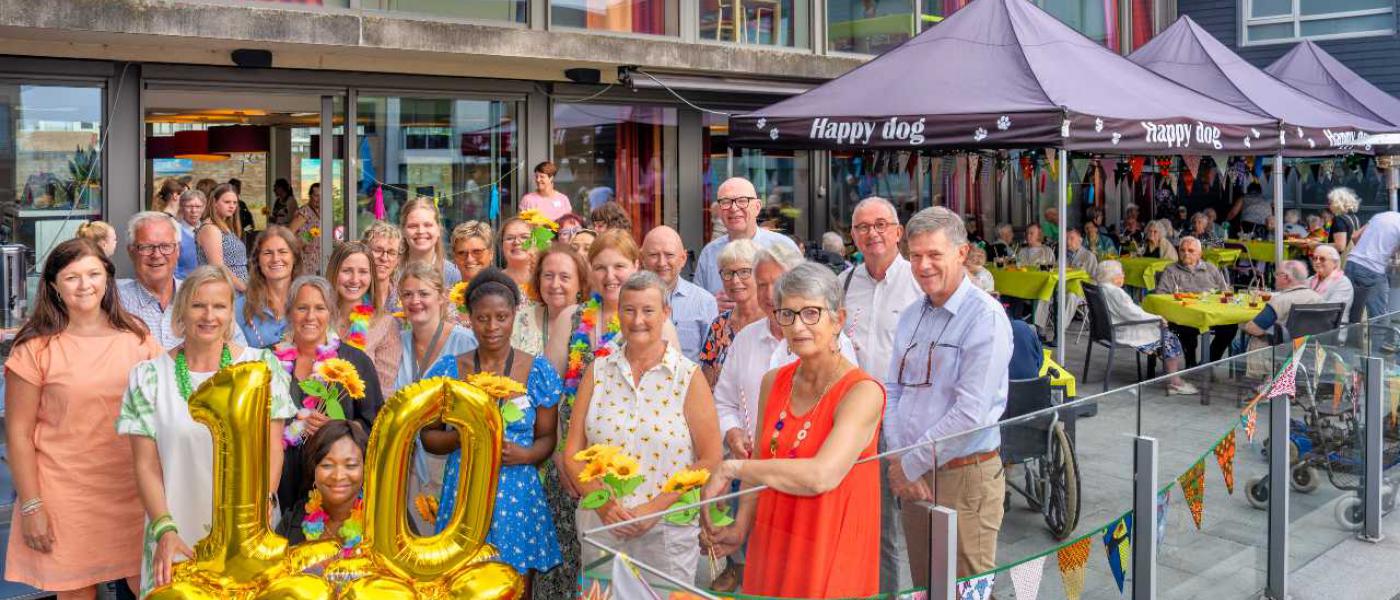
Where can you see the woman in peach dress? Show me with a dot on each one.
(77, 521)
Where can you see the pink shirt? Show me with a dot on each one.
(553, 207)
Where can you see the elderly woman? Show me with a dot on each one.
(472, 244)
(1292, 224)
(1035, 253)
(557, 282)
(736, 266)
(1156, 244)
(361, 321)
(1328, 279)
(1202, 229)
(276, 263)
(522, 529)
(818, 416)
(976, 264)
(311, 309)
(71, 470)
(1191, 274)
(386, 247)
(174, 454)
(1149, 338)
(1345, 226)
(515, 239)
(333, 460)
(1003, 249)
(420, 224)
(646, 385)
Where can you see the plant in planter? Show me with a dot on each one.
(85, 176)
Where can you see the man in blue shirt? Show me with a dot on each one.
(692, 308)
(738, 205)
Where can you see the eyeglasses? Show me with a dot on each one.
(477, 255)
(149, 249)
(810, 315)
(515, 239)
(910, 377)
(730, 274)
(384, 252)
(878, 227)
(741, 202)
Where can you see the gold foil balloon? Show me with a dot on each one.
(456, 562)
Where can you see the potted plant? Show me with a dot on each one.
(85, 176)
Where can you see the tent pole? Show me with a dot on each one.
(1278, 212)
(1394, 178)
(1060, 325)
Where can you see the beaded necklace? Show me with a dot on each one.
(351, 532)
(182, 370)
(581, 343)
(806, 421)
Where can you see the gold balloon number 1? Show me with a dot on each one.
(242, 558)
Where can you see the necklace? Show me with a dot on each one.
(357, 331)
(581, 344)
(806, 421)
(421, 364)
(182, 370)
(351, 532)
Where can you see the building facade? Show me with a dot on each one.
(102, 100)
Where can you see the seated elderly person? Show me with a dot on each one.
(1097, 241)
(1191, 274)
(1146, 337)
(1203, 230)
(1329, 281)
(1156, 244)
(1291, 289)
(976, 270)
(1003, 248)
(1292, 226)
(1078, 256)
(1035, 253)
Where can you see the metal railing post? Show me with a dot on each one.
(1278, 498)
(1145, 518)
(943, 552)
(1373, 459)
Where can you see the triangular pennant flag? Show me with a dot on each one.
(493, 209)
(1025, 578)
(1225, 457)
(1118, 544)
(1164, 500)
(1073, 561)
(1284, 383)
(1053, 162)
(1250, 420)
(1193, 490)
(1136, 163)
(627, 583)
(1193, 163)
(977, 588)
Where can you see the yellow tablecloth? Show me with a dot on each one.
(1263, 250)
(1223, 257)
(1202, 314)
(1142, 272)
(1033, 284)
(1065, 380)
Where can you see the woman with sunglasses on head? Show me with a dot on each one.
(818, 416)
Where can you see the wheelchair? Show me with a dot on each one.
(1043, 446)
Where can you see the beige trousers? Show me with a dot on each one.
(976, 492)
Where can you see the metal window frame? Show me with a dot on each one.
(1296, 18)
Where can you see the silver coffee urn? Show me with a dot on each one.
(14, 286)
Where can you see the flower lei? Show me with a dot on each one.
(358, 332)
(581, 342)
(352, 531)
(330, 377)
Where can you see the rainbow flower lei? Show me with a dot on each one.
(581, 342)
(358, 332)
(352, 531)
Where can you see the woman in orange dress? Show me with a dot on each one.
(820, 415)
(78, 521)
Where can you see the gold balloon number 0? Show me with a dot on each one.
(242, 558)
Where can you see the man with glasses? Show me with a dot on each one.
(948, 376)
(738, 205)
(692, 308)
(876, 291)
(154, 246)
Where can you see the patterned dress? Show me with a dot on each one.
(717, 341)
(521, 528)
(234, 252)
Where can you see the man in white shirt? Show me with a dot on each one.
(692, 308)
(1368, 262)
(738, 204)
(876, 292)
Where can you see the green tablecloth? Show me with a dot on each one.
(1037, 285)
(1263, 250)
(1202, 314)
(1223, 257)
(1142, 272)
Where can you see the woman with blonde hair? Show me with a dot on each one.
(472, 244)
(218, 237)
(386, 247)
(260, 312)
(515, 242)
(362, 321)
(420, 224)
(100, 233)
(1343, 203)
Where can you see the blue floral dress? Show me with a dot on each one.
(522, 528)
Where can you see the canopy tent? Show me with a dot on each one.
(1004, 74)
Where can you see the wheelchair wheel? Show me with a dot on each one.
(1035, 489)
(1349, 512)
(1059, 468)
(1304, 479)
(1256, 490)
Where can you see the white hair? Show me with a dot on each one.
(738, 251)
(832, 242)
(877, 201)
(810, 280)
(140, 220)
(1342, 200)
(1295, 269)
(1328, 252)
(779, 254)
(1107, 271)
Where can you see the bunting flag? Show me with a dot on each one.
(379, 202)
(1027, 167)
(1053, 162)
(1284, 385)
(493, 206)
(1188, 181)
(912, 166)
(1337, 385)
(627, 582)
(1136, 164)
(1193, 490)
(1225, 457)
(1249, 419)
(1073, 561)
(1316, 170)
(1025, 578)
(1192, 163)
(1164, 500)
(977, 588)
(1118, 544)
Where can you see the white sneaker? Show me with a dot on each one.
(1185, 389)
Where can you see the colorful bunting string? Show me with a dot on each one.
(1225, 457)
(1118, 544)
(1193, 490)
(1073, 560)
(1025, 578)
(978, 588)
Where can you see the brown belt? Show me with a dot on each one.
(971, 459)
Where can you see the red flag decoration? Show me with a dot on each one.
(1074, 561)
(1136, 163)
(1225, 457)
(1193, 490)
(1027, 167)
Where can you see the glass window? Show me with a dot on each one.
(766, 22)
(1321, 7)
(1360, 24)
(1271, 8)
(461, 152)
(868, 26)
(1292, 20)
(625, 153)
(781, 177)
(50, 169)
(1276, 31)
(656, 17)
(1097, 19)
(514, 11)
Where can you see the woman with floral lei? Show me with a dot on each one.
(364, 323)
(329, 379)
(334, 461)
(528, 390)
(174, 454)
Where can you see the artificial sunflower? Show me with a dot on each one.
(684, 480)
(597, 453)
(458, 296)
(496, 386)
(593, 471)
(339, 370)
(622, 466)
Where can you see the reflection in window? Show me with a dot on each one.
(781, 177)
(50, 169)
(654, 17)
(766, 22)
(452, 150)
(1096, 19)
(514, 11)
(1287, 20)
(625, 153)
(869, 26)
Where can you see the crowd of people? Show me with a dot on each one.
(766, 370)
